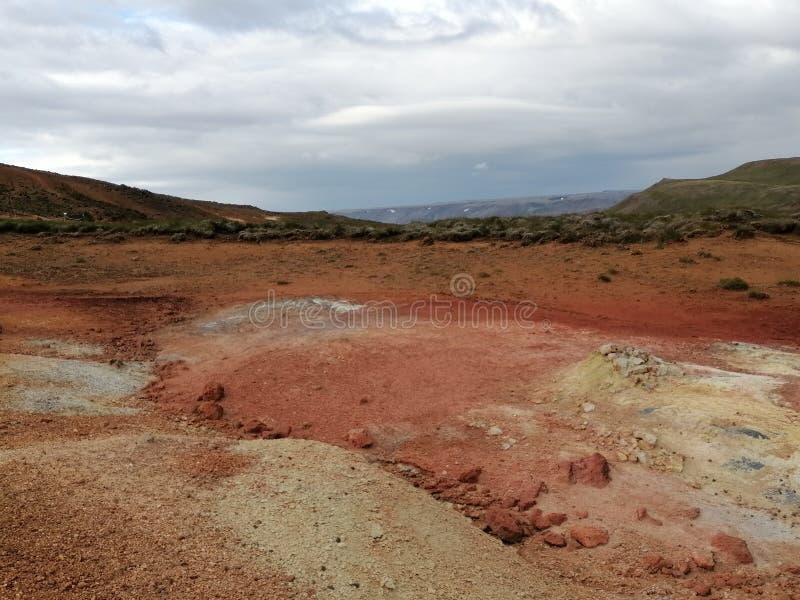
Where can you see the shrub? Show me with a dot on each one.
(687, 260)
(708, 255)
(744, 232)
(604, 278)
(789, 283)
(736, 284)
(755, 295)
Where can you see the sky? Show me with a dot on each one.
(309, 105)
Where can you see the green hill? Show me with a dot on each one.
(770, 187)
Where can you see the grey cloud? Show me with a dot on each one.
(319, 104)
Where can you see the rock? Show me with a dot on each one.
(469, 474)
(735, 548)
(607, 349)
(654, 563)
(700, 589)
(538, 520)
(681, 567)
(588, 536)
(376, 531)
(254, 426)
(529, 494)
(588, 407)
(276, 432)
(388, 583)
(210, 411)
(703, 559)
(359, 438)
(592, 470)
(581, 514)
(504, 524)
(641, 515)
(551, 538)
(556, 519)
(213, 392)
(494, 431)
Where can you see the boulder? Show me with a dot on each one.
(589, 536)
(210, 411)
(212, 392)
(592, 470)
(359, 438)
(733, 547)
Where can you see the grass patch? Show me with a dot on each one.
(736, 284)
(604, 278)
(687, 260)
(756, 295)
(708, 255)
(793, 283)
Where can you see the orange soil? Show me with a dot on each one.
(425, 393)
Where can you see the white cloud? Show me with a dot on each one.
(308, 104)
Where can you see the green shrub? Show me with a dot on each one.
(736, 284)
(789, 283)
(755, 295)
(604, 278)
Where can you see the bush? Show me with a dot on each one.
(736, 284)
(744, 232)
(604, 278)
(789, 283)
(757, 295)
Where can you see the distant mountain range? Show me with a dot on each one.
(770, 187)
(509, 207)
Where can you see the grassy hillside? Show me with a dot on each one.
(770, 187)
(26, 193)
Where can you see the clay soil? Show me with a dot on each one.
(163, 501)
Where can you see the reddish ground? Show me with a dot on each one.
(428, 396)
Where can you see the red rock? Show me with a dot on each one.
(359, 438)
(213, 392)
(581, 514)
(641, 515)
(653, 563)
(539, 521)
(556, 519)
(790, 568)
(529, 494)
(276, 433)
(208, 410)
(592, 470)
(507, 525)
(469, 475)
(254, 426)
(734, 547)
(551, 538)
(681, 567)
(588, 536)
(703, 559)
(701, 589)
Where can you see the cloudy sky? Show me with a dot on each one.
(308, 104)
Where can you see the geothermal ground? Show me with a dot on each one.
(223, 420)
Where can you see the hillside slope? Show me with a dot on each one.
(478, 209)
(30, 193)
(771, 187)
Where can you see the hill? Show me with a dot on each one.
(770, 187)
(26, 193)
(510, 207)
